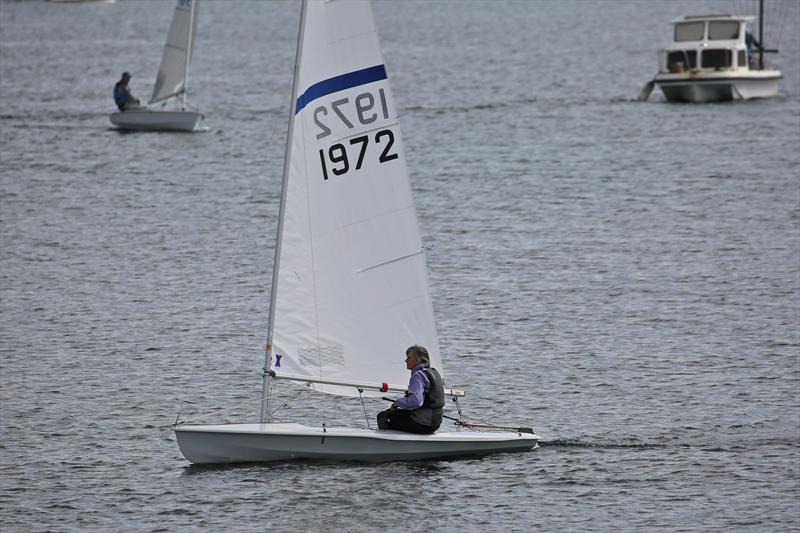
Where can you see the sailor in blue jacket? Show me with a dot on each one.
(420, 410)
(122, 94)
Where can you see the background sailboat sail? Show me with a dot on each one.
(172, 80)
(351, 287)
(174, 69)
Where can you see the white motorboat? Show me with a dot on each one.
(349, 285)
(714, 59)
(171, 82)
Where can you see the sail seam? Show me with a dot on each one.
(311, 250)
(349, 135)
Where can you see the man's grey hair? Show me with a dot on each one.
(420, 353)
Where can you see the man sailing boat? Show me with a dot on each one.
(122, 93)
(420, 410)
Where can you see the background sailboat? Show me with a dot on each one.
(172, 80)
(350, 290)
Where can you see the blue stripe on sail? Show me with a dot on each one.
(340, 83)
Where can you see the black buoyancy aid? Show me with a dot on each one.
(434, 400)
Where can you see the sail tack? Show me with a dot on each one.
(173, 71)
(351, 289)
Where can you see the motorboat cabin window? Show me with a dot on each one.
(689, 31)
(742, 59)
(717, 59)
(681, 60)
(719, 30)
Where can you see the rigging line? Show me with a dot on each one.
(782, 17)
(769, 31)
(774, 27)
(286, 403)
(223, 410)
(215, 308)
(266, 385)
(471, 420)
(777, 29)
(364, 407)
(251, 197)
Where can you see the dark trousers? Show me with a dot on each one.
(401, 420)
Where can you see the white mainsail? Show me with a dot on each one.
(173, 73)
(350, 288)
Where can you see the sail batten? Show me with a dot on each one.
(400, 258)
(350, 291)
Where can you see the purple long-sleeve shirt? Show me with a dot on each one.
(417, 385)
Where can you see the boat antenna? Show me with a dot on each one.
(281, 215)
(761, 34)
(188, 54)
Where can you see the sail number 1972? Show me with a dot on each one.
(337, 153)
(365, 109)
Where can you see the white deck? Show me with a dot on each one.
(233, 443)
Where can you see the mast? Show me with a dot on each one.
(761, 34)
(188, 54)
(281, 214)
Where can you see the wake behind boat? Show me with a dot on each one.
(171, 82)
(714, 59)
(349, 286)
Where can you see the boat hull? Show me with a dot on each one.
(156, 120)
(696, 89)
(239, 443)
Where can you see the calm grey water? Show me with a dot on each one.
(623, 276)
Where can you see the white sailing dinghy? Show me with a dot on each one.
(171, 82)
(349, 289)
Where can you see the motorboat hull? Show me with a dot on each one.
(239, 443)
(716, 89)
(156, 120)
